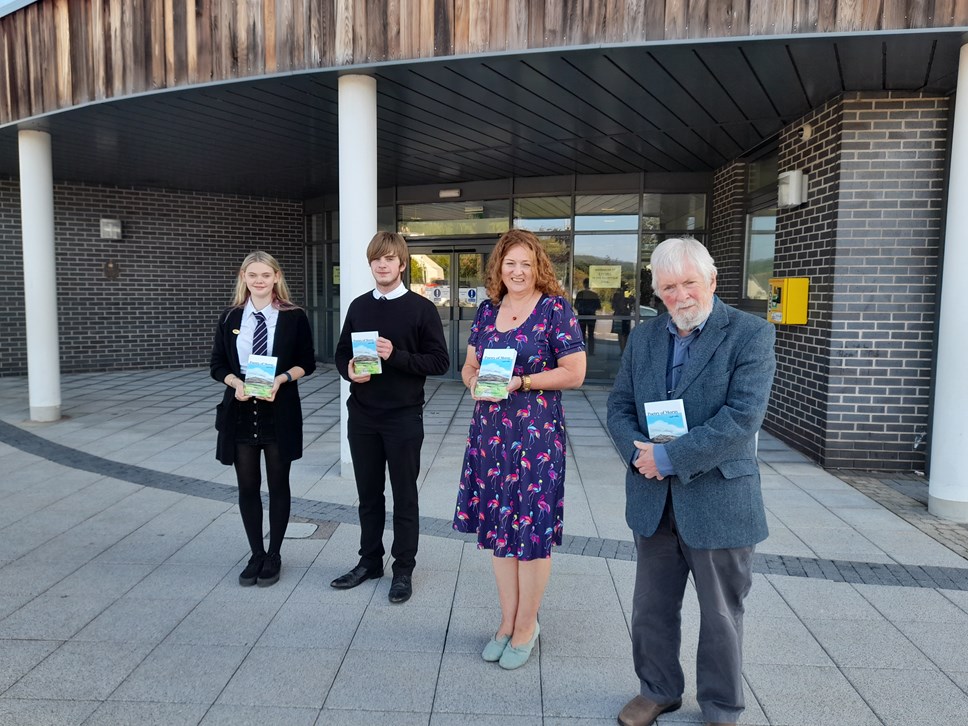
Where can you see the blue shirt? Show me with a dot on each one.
(678, 357)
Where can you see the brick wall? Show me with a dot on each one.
(728, 230)
(178, 260)
(853, 386)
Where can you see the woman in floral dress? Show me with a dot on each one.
(512, 481)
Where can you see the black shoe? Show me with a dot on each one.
(251, 572)
(357, 576)
(269, 574)
(400, 589)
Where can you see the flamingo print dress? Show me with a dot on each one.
(513, 479)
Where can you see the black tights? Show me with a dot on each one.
(249, 475)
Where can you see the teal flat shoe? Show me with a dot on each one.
(515, 657)
(495, 648)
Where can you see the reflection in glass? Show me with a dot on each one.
(761, 238)
(685, 212)
(430, 277)
(608, 262)
(439, 219)
(543, 214)
(606, 212)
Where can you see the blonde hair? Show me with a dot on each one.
(388, 243)
(544, 272)
(280, 290)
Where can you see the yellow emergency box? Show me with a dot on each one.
(788, 300)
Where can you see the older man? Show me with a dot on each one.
(693, 502)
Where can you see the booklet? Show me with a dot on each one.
(497, 367)
(260, 374)
(666, 420)
(364, 353)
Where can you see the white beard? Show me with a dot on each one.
(690, 318)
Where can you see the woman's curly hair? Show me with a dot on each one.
(544, 272)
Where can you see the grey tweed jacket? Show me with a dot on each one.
(725, 386)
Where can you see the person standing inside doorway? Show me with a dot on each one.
(385, 423)
(261, 321)
(587, 303)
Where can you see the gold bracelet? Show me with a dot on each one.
(525, 383)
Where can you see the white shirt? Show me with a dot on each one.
(243, 343)
(400, 291)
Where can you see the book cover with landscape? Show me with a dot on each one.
(365, 359)
(260, 374)
(666, 420)
(497, 367)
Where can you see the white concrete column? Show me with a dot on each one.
(357, 206)
(40, 277)
(948, 487)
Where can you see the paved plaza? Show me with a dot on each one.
(121, 544)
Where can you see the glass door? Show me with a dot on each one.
(452, 278)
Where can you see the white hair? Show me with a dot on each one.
(670, 257)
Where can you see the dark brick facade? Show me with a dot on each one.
(728, 229)
(178, 260)
(853, 385)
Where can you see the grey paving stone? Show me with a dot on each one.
(224, 622)
(176, 582)
(30, 577)
(583, 633)
(174, 673)
(234, 715)
(823, 599)
(114, 713)
(80, 671)
(783, 641)
(466, 719)
(283, 678)
(130, 620)
(495, 691)
(401, 689)
(915, 604)
(404, 628)
(310, 625)
(867, 644)
(470, 628)
(586, 687)
(580, 592)
(94, 578)
(943, 643)
(46, 712)
(52, 617)
(910, 696)
(17, 657)
(808, 696)
(336, 717)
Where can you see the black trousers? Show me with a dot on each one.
(393, 442)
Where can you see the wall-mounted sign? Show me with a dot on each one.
(600, 276)
(336, 274)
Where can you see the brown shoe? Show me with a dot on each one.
(640, 711)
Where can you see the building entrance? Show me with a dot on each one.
(451, 276)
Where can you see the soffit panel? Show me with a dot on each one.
(605, 110)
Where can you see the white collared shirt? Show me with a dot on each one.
(243, 343)
(399, 291)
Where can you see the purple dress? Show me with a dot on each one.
(513, 480)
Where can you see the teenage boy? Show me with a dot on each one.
(385, 423)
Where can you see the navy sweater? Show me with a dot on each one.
(412, 324)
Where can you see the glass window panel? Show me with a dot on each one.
(543, 214)
(443, 219)
(761, 238)
(686, 212)
(762, 173)
(386, 219)
(606, 212)
(558, 247)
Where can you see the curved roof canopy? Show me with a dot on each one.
(671, 106)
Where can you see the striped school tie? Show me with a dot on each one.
(260, 340)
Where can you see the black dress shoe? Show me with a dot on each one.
(357, 576)
(250, 574)
(269, 574)
(400, 589)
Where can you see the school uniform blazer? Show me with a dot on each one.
(293, 346)
(724, 386)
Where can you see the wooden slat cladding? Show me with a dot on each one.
(57, 53)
